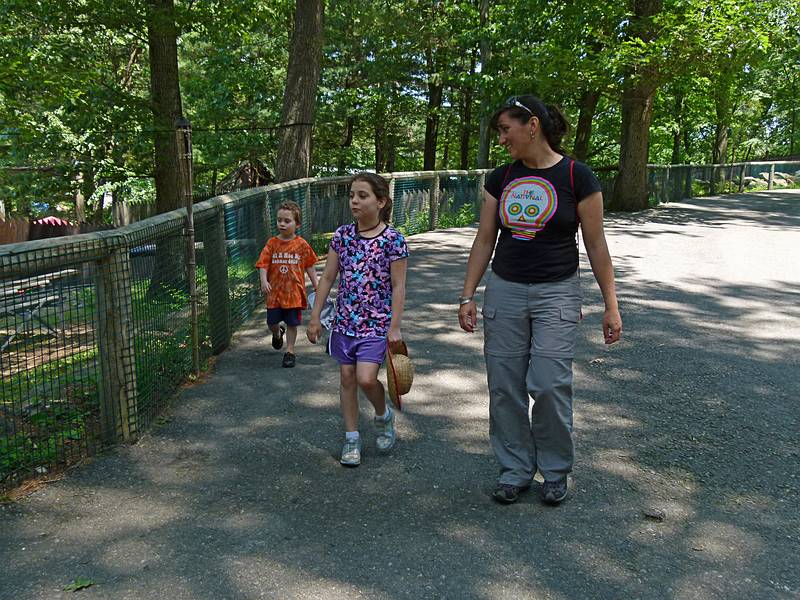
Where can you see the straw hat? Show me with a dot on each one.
(399, 372)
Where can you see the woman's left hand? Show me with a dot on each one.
(394, 335)
(612, 325)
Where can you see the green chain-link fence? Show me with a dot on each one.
(96, 331)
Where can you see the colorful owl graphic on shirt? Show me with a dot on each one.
(526, 205)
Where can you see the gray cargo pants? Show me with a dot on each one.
(529, 342)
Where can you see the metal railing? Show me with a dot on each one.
(95, 328)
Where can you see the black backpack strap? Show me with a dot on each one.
(572, 183)
(505, 176)
(577, 217)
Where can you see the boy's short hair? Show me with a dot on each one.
(292, 207)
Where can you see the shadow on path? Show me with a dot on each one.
(240, 495)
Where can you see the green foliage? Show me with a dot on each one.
(320, 243)
(75, 100)
(419, 223)
(467, 215)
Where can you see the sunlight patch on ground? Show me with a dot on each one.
(723, 542)
(515, 584)
(247, 572)
(597, 561)
(605, 417)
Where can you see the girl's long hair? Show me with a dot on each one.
(380, 187)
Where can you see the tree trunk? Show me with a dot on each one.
(485, 56)
(466, 115)
(391, 153)
(630, 189)
(299, 98)
(380, 145)
(793, 126)
(347, 141)
(720, 149)
(85, 186)
(639, 87)
(445, 164)
(676, 130)
(435, 92)
(588, 107)
(165, 95)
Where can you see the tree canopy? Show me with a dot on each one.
(403, 85)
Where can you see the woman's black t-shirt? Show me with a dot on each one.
(537, 217)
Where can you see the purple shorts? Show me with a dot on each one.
(348, 350)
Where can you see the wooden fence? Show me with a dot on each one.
(14, 230)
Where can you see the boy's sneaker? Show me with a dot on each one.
(277, 340)
(505, 493)
(554, 492)
(387, 436)
(288, 360)
(351, 453)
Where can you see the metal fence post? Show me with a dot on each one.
(688, 184)
(771, 176)
(116, 351)
(741, 177)
(712, 183)
(434, 195)
(307, 217)
(219, 317)
(183, 140)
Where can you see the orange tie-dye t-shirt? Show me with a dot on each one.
(286, 263)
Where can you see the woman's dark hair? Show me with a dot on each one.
(522, 108)
(380, 187)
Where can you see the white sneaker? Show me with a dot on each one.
(351, 453)
(387, 435)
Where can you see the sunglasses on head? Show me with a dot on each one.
(514, 101)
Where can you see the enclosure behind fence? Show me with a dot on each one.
(96, 331)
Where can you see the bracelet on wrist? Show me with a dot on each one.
(464, 300)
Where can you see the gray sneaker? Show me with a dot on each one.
(387, 436)
(351, 453)
(554, 492)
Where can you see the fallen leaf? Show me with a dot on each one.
(79, 584)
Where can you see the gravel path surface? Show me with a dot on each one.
(688, 438)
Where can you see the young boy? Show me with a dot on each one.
(281, 266)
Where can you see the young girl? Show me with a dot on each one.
(282, 267)
(370, 257)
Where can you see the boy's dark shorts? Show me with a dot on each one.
(291, 316)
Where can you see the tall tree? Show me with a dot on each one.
(641, 82)
(165, 94)
(485, 59)
(299, 100)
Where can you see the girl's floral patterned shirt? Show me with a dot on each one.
(364, 301)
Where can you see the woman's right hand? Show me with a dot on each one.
(266, 288)
(313, 330)
(468, 316)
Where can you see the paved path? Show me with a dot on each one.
(239, 495)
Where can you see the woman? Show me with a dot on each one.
(532, 301)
